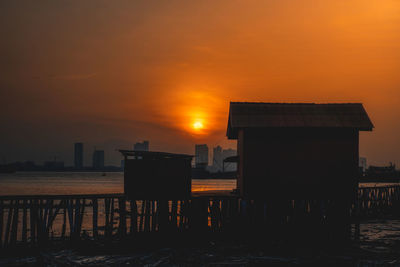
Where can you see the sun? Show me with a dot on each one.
(198, 125)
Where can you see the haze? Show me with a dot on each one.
(111, 73)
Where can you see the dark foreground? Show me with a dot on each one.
(379, 245)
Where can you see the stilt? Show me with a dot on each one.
(122, 217)
(81, 217)
(14, 229)
(24, 221)
(133, 217)
(112, 216)
(174, 214)
(142, 216)
(1, 223)
(153, 216)
(77, 212)
(163, 214)
(8, 226)
(95, 207)
(33, 214)
(64, 225)
(107, 219)
(147, 217)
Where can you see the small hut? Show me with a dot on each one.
(156, 175)
(297, 150)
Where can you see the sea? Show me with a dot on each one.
(64, 183)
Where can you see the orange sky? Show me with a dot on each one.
(110, 73)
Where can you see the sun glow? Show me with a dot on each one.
(196, 113)
(198, 125)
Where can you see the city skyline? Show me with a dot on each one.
(81, 149)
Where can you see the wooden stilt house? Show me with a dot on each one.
(299, 150)
(156, 175)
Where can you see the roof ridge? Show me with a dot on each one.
(297, 103)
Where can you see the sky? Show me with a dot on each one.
(112, 73)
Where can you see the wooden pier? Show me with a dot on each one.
(35, 220)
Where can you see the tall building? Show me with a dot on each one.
(217, 159)
(219, 155)
(98, 159)
(78, 156)
(144, 146)
(201, 156)
(362, 164)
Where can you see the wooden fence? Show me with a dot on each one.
(35, 220)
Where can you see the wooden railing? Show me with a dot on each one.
(37, 219)
(379, 201)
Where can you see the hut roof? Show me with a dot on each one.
(296, 115)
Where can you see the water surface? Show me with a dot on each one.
(64, 183)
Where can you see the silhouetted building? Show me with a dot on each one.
(217, 159)
(78, 156)
(157, 175)
(362, 164)
(219, 155)
(98, 159)
(229, 166)
(201, 156)
(144, 146)
(382, 171)
(297, 150)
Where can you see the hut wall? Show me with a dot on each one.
(157, 178)
(298, 163)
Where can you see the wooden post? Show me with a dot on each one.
(199, 216)
(81, 216)
(33, 213)
(357, 215)
(95, 206)
(107, 219)
(182, 212)
(174, 214)
(112, 216)
(14, 229)
(1, 223)
(147, 217)
(163, 214)
(142, 216)
(45, 218)
(71, 221)
(53, 215)
(64, 226)
(40, 204)
(153, 216)
(77, 212)
(224, 213)
(24, 221)
(50, 216)
(133, 216)
(214, 214)
(8, 226)
(122, 216)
